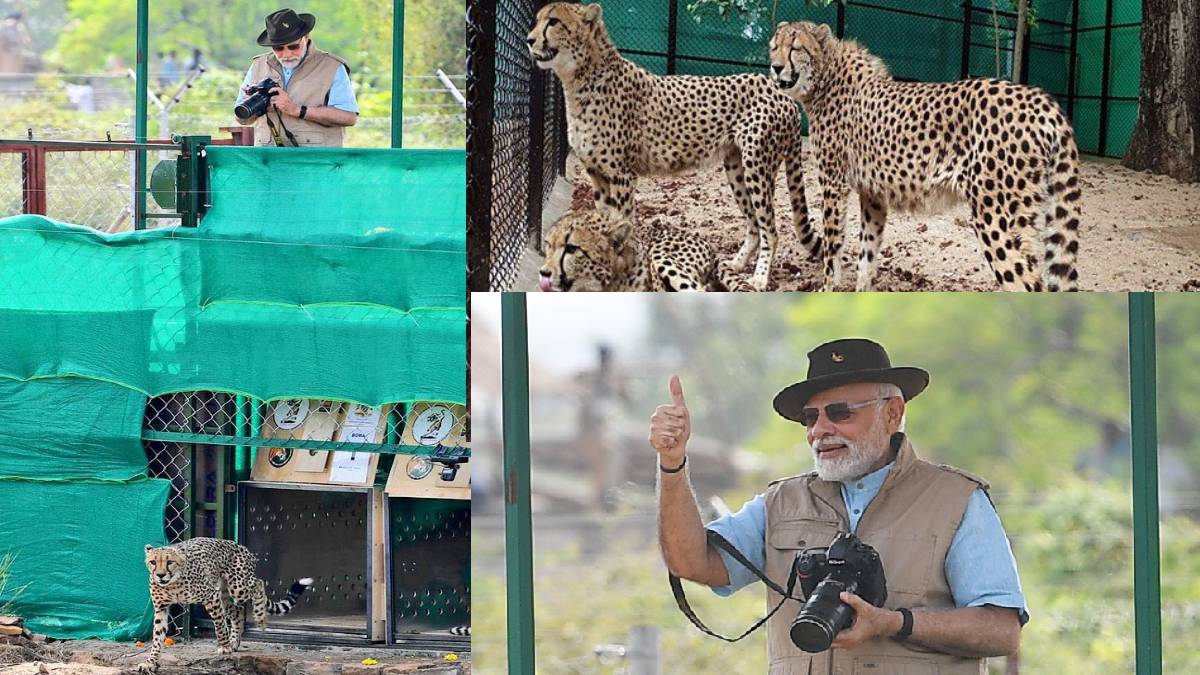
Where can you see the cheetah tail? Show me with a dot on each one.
(288, 603)
(461, 630)
(793, 166)
(1062, 216)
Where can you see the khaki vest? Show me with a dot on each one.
(910, 522)
(309, 85)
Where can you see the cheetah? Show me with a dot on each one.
(602, 250)
(218, 574)
(624, 122)
(1005, 149)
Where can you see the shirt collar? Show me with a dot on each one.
(871, 482)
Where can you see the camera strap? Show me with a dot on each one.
(722, 543)
(275, 132)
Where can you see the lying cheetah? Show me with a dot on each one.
(601, 250)
(624, 122)
(1004, 148)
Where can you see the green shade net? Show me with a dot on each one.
(63, 428)
(78, 567)
(317, 273)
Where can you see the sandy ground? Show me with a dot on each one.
(1139, 232)
(97, 657)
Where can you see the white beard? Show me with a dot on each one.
(858, 458)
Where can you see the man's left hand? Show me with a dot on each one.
(284, 103)
(869, 622)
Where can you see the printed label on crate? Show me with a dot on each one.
(433, 425)
(279, 457)
(291, 413)
(350, 467)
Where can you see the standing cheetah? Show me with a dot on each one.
(624, 122)
(1004, 148)
(218, 574)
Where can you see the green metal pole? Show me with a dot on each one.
(1144, 425)
(518, 522)
(141, 86)
(397, 73)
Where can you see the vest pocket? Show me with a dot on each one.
(801, 533)
(908, 564)
(893, 665)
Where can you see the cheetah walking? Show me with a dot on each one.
(218, 574)
(624, 122)
(602, 250)
(1004, 148)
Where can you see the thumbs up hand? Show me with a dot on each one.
(671, 427)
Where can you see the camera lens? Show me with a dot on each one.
(812, 634)
(242, 111)
(823, 616)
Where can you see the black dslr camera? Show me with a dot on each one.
(847, 564)
(257, 99)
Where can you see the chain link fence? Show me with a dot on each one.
(516, 141)
(1087, 53)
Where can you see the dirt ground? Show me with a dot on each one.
(1139, 232)
(97, 657)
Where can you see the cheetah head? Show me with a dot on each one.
(587, 251)
(166, 565)
(565, 34)
(795, 50)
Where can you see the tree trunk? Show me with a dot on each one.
(1167, 136)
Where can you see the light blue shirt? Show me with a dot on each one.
(341, 94)
(979, 567)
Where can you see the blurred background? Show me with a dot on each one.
(1030, 392)
(66, 67)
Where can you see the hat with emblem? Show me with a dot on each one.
(286, 26)
(844, 362)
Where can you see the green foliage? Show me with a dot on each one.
(6, 562)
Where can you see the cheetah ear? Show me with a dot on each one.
(591, 13)
(824, 34)
(781, 24)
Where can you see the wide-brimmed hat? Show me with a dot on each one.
(286, 26)
(844, 362)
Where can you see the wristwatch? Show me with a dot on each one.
(303, 111)
(906, 626)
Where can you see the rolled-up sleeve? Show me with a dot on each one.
(980, 567)
(341, 94)
(746, 530)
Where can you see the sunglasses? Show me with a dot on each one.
(836, 412)
(294, 47)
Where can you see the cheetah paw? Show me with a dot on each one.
(147, 667)
(224, 650)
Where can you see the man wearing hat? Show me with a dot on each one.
(316, 102)
(953, 598)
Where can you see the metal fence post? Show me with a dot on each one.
(841, 20)
(1144, 435)
(139, 113)
(481, 81)
(672, 29)
(644, 655)
(1105, 65)
(518, 521)
(397, 73)
(965, 69)
(1071, 60)
(538, 83)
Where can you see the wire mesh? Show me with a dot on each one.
(12, 198)
(521, 147)
(1084, 52)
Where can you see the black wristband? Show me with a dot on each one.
(905, 627)
(303, 111)
(676, 469)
